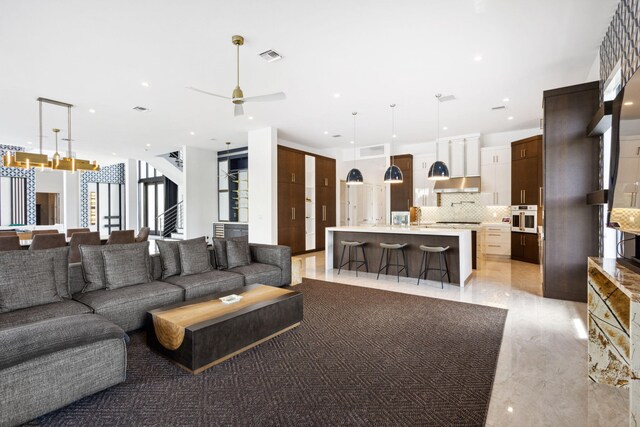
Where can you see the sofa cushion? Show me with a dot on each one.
(63, 308)
(208, 283)
(93, 263)
(237, 253)
(127, 307)
(194, 256)
(169, 257)
(27, 279)
(61, 269)
(264, 274)
(37, 339)
(220, 246)
(126, 267)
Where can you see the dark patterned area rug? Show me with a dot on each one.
(360, 357)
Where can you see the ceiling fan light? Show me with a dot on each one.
(354, 177)
(393, 175)
(438, 171)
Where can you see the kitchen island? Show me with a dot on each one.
(458, 256)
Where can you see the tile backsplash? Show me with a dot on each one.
(464, 207)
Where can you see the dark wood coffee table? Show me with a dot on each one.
(203, 332)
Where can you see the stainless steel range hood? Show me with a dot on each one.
(469, 184)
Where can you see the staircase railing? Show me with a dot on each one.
(170, 220)
(177, 158)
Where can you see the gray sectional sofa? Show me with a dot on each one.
(67, 340)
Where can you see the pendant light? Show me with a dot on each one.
(354, 177)
(438, 170)
(393, 175)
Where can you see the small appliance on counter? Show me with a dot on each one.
(400, 218)
(524, 218)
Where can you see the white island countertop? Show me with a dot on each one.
(461, 265)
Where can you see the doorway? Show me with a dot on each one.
(153, 198)
(47, 208)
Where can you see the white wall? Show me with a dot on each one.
(131, 194)
(49, 181)
(506, 138)
(200, 191)
(263, 186)
(71, 200)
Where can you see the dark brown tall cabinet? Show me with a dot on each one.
(402, 194)
(325, 197)
(570, 172)
(526, 171)
(293, 215)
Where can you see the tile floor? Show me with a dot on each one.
(541, 379)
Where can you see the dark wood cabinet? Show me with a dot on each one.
(402, 194)
(570, 172)
(526, 171)
(524, 247)
(293, 215)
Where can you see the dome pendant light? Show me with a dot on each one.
(354, 177)
(393, 175)
(438, 170)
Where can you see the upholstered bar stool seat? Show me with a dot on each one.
(426, 255)
(386, 250)
(353, 260)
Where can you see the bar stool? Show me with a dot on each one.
(359, 263)
(426, 255)
(387, 248)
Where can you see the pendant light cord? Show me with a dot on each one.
(354, 139)
(393, 129)
(238, 65)
(69, 130)
(40, 123)
(438, 116)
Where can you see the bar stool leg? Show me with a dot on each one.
(406, 264)
(364, 256)
(441, 274)
(341, 258)
(349, 257)
(386, 271)
(444, 254)
(424, 254)
(397, 268)
(380, 267)
(355, 261)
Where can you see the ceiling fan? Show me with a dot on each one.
(237, 97)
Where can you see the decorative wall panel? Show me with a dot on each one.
(622, 42)
(28, 174)
(112, 174)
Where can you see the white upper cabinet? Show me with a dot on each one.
(496, 176)
(461, 155)
(472, 157)
(443, 153)
(423, 194)
(456, 167)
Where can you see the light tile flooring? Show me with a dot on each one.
(541, 379)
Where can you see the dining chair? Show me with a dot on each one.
(121, 236)
(70, 231)
(91, 238)
(50, 231)
(10, 243)
(47, 241)
(143, 235)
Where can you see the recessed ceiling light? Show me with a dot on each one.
(29, 142)
(145, 84)
(628, 103)
(326, 132)
(445, 128)
(192, 133)
(394, 136)
(505, 99)
(148, 145)
(350, 142)
(92, 111)
(250, 117)
(510, 118)
(336, 95)
(113, 154)
(477, 58)
(509, 409)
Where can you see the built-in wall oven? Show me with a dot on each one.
(524, 218)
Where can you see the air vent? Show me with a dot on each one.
(447, 98)
(336, 136)
(141, 109)
(270, 55)
(499, 107)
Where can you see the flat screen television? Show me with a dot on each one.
(624, 179)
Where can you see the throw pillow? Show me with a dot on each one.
(237, 253)
(93, 263)
(194, 256)
(27, 279)
(126, 267)
(220, 246)
(61, 269)
(169, 257)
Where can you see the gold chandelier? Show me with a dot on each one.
(21, 159)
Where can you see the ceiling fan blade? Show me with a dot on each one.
(264, 98)
(238, 110)
(207, 93)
